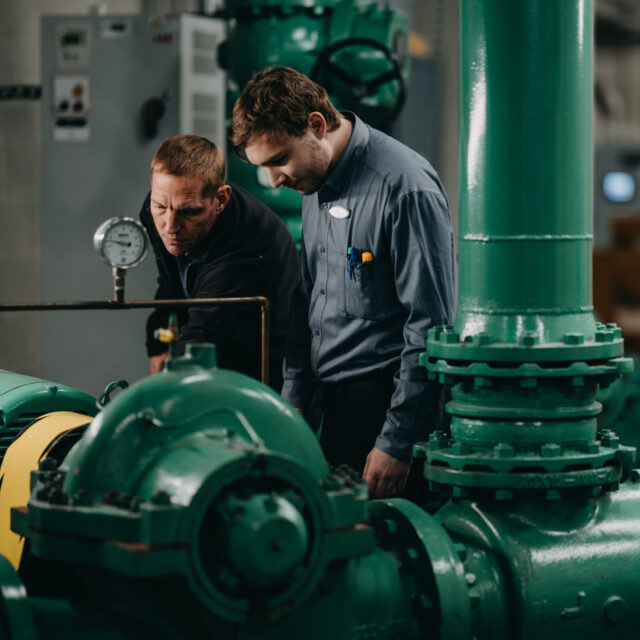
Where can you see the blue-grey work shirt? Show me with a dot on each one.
(350, 322)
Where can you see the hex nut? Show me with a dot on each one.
(503, 450)
(528, 339)
(450, 337)
(590, 447)
(461, 448)
(161, 498)
(550, 450)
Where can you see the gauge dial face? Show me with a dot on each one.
(121, 242)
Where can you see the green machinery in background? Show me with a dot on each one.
(356, 49)
(198, 503)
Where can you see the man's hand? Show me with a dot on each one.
(386, 476)
(156, 363)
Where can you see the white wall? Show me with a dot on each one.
(20, 264)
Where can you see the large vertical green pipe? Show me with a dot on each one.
(525, 168)
(526, 354)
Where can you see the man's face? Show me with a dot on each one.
(300, 163)
(181, 214)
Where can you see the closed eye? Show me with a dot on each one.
(191, 211)
(276, 161)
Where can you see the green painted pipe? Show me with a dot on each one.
(525, 169)
(525, 187)
(526, 354)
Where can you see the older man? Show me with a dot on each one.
(378, 269)
(212, 239)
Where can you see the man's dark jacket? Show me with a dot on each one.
(248, 252)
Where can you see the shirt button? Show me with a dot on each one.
(321, 292)
(322, 250)
(316, 332)
(324, 205)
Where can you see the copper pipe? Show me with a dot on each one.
(265, 311)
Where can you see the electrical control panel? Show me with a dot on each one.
(114, 87)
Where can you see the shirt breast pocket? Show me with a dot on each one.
(370, 291)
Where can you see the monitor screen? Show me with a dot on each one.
(618, 186)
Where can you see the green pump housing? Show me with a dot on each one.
(198, 503)
(24, 399)
(357, 50)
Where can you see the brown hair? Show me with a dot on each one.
(189, 155)
(279, 100)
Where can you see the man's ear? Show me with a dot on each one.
(317, 124)
(223, 194)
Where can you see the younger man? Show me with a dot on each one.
(378, 270)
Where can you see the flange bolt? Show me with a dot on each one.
(461, 448)
(609, 439)
(550, 450)
(437, 440)
(503, 450)
(161, 498)
(529, 339)
(449, 336)
(615, 609)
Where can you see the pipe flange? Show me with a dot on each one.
(427, 552)
(551, 465)
(446, 343)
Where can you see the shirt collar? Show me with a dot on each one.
(195, 253)
(359, 139)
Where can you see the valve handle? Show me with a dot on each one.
(105, 398)
(358, 88)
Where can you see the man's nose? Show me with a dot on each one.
(276, 177)
(172, 221)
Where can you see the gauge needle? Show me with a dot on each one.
(121, 242)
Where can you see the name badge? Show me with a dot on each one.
(339, 212)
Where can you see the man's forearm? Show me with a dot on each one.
(415, 410)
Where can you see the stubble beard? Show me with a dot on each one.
(316, 173)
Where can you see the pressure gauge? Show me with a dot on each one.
(121, 242)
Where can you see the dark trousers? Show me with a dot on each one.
(353, 414)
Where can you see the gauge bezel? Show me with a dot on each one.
(101, 232)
